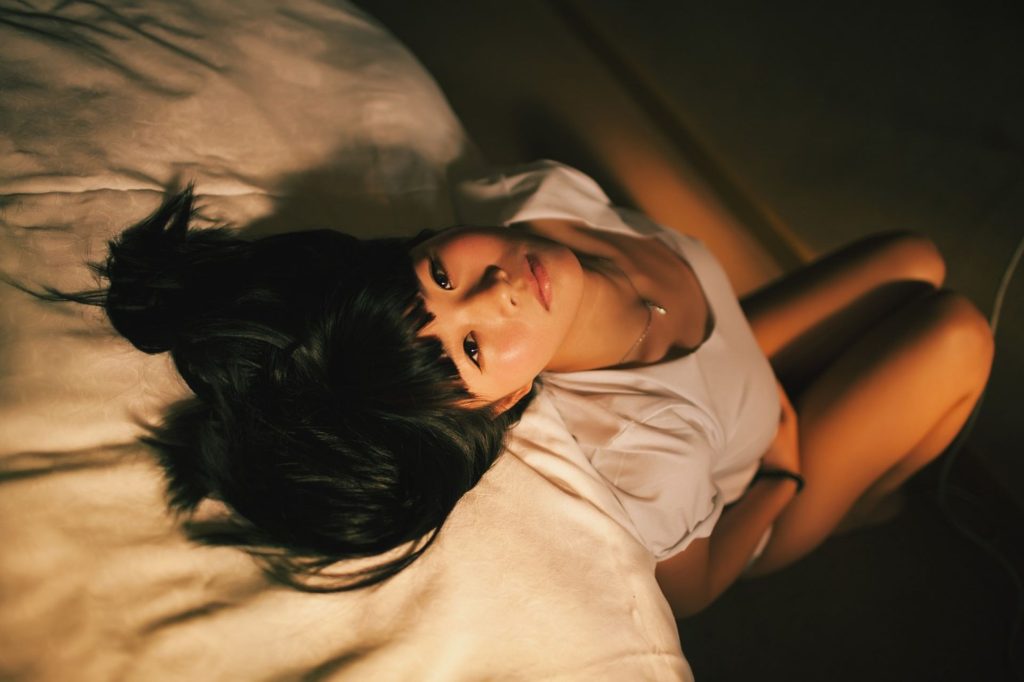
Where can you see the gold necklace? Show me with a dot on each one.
(652, 307)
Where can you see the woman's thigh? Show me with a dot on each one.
(898, 388)
(806, 318)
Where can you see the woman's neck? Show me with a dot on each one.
(614, 326)
(610, 319)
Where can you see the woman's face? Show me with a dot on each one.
(503, 301)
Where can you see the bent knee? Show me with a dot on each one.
(964, 331)
(914, 256)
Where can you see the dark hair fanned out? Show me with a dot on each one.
(321, 418)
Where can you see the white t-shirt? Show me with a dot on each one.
(675, 441)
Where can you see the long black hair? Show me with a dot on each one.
(329, 426)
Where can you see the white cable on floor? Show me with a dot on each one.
(942, 494)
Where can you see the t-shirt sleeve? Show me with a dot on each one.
(660, 470)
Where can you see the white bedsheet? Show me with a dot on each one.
(287, 116)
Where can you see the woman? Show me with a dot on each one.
(348, 393)
(665, 385)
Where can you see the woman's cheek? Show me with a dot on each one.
(522, 352)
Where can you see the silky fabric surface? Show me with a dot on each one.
(287, 116)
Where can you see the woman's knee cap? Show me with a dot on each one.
(964, 329)
(917, 257)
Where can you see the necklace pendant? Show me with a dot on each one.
(651, 305)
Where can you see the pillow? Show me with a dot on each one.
(285, 103)
(287, 116)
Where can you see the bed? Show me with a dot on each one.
(287, 116)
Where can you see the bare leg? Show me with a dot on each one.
(804, 320)
(890, 403)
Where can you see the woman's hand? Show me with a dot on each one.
(694, 578)
(784, 452)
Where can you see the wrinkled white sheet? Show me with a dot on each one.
(287, 115)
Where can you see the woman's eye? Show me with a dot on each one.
(471, 349)
(439, 276)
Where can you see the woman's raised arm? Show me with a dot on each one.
(694, 578)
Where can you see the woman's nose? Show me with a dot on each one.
(496, 291)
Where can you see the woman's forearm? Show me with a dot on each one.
(741, 528)
(695, 577)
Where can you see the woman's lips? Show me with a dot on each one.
(540, 281)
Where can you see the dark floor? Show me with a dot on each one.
(912, 599)
(836, 123)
